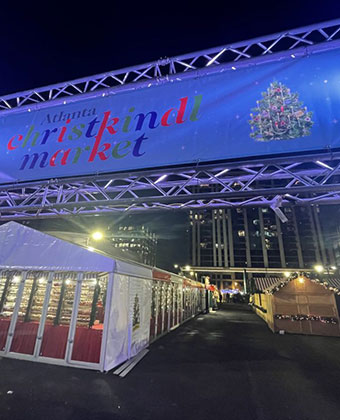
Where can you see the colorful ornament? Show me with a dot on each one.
(273, 119)
(299, 113)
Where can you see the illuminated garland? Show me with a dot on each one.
(300, 317)
(275, 288)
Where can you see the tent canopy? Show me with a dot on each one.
(29, 249)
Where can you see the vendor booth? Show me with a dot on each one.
(63, 304)
(298, 304)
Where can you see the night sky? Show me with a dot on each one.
(41, 46)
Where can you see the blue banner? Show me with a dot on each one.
(288, 106)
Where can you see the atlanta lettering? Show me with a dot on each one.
(105, 134)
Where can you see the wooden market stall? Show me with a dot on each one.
(298, 304)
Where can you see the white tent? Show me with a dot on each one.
(63, 304)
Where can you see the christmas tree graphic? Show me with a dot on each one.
(280, 115)
(136, 314)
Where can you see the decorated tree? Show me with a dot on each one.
(136, 313)
(279, 115)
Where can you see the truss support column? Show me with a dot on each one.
(246, 232)
(193, 240)
(198, 241)
(225, 239)
(297, 238)
(264, 249)
(230, 239)
(245, 282)
(213, 237)
(315, 237)
(319, 233)
(280, 240)
(219, 243)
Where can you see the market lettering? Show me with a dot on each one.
(62, 157)
(34, 158)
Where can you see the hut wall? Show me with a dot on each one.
(337, 301)
(262, 304)
(305, 298)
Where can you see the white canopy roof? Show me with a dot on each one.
(26, 248)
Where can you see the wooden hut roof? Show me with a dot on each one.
(270, 285)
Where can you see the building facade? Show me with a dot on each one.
(256, 238)
(135, 240)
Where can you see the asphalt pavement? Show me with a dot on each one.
(223, 365)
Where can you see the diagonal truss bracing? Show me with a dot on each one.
(288, 42)
(297, 180)
(300, 182)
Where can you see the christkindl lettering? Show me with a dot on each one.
(103, 133)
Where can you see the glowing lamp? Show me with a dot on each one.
(97, 236)
(318, 268)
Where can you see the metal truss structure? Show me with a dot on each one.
(298, 180)
(287, 43)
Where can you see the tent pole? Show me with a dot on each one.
(108, 304)
(41, 328)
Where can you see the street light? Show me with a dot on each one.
(319, 268)
(97, 236)
(187, 268)
(286, 274)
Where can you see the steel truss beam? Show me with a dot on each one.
(302, 181)
(298, 180)
(287, 42)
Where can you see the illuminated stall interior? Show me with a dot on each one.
(63, 304)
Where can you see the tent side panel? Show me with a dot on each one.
(130, 313)
(139, 313)
(117, 344)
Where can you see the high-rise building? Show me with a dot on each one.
(256, 238)
(137, 240)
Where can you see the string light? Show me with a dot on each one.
(301, 317)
